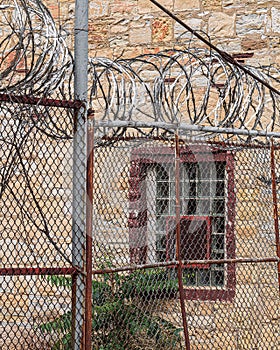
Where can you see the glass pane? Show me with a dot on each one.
(193, 239)
(189, 276)
(217, 255)
(203, 277)
(218, 242)
(204, 207)
(219, 224)
(191, 169)
(191, 208)
(219, 206)
(162, 189)
(162, 207)
(220, 189)
(161, 173)
(205, 170)
(204, 189)
(220, 170)
(161, 223)
(218, 278)
(161, 242)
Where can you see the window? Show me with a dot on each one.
(206, 216)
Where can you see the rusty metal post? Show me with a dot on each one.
(73, 306)
(89, 217)
(275, 208)
(178, 242)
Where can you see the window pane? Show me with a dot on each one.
(204, 189)
(162, 206)
(203, 277)
(220, 170)
(204, 207)
(218, 242)
(189, 276)
(205, 170)
(218, 278)
(161, 173)
(219, 206)
(161, 242)
(218, 255)
(161, 223)
(162, 189)
(219, 224)
(193, 239)
(220, 189)
(191, 170)
(191, 207)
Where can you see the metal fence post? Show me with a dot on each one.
(79, 167)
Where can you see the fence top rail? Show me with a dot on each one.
(183, 127)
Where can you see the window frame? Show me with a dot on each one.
(141, 160)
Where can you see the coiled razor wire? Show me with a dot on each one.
(193, 86)
(34, 58)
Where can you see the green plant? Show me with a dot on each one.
(151, 283)
(119, 320)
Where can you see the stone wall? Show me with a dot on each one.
(128, 28)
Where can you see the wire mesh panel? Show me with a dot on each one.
(36, 223)
(185, 240)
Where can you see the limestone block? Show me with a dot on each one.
(275, 20)
(194, 23)
(98, 8)
(253, 42)
(212, 4)
(251, 23)
(162, 29)
(221, 24)
(119, 41)
(145, 6)
(140, 36)
(186, 5)
(123, 7)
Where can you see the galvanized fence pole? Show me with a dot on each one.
(79, 168)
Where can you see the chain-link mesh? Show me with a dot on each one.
(185, 238)
(203, 215)
(36, 222)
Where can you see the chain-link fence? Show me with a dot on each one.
(36, 221)
(185, 237)
(185, 244)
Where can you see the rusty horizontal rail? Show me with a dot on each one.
(186, 262)
(47, 102)
(24, 271)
